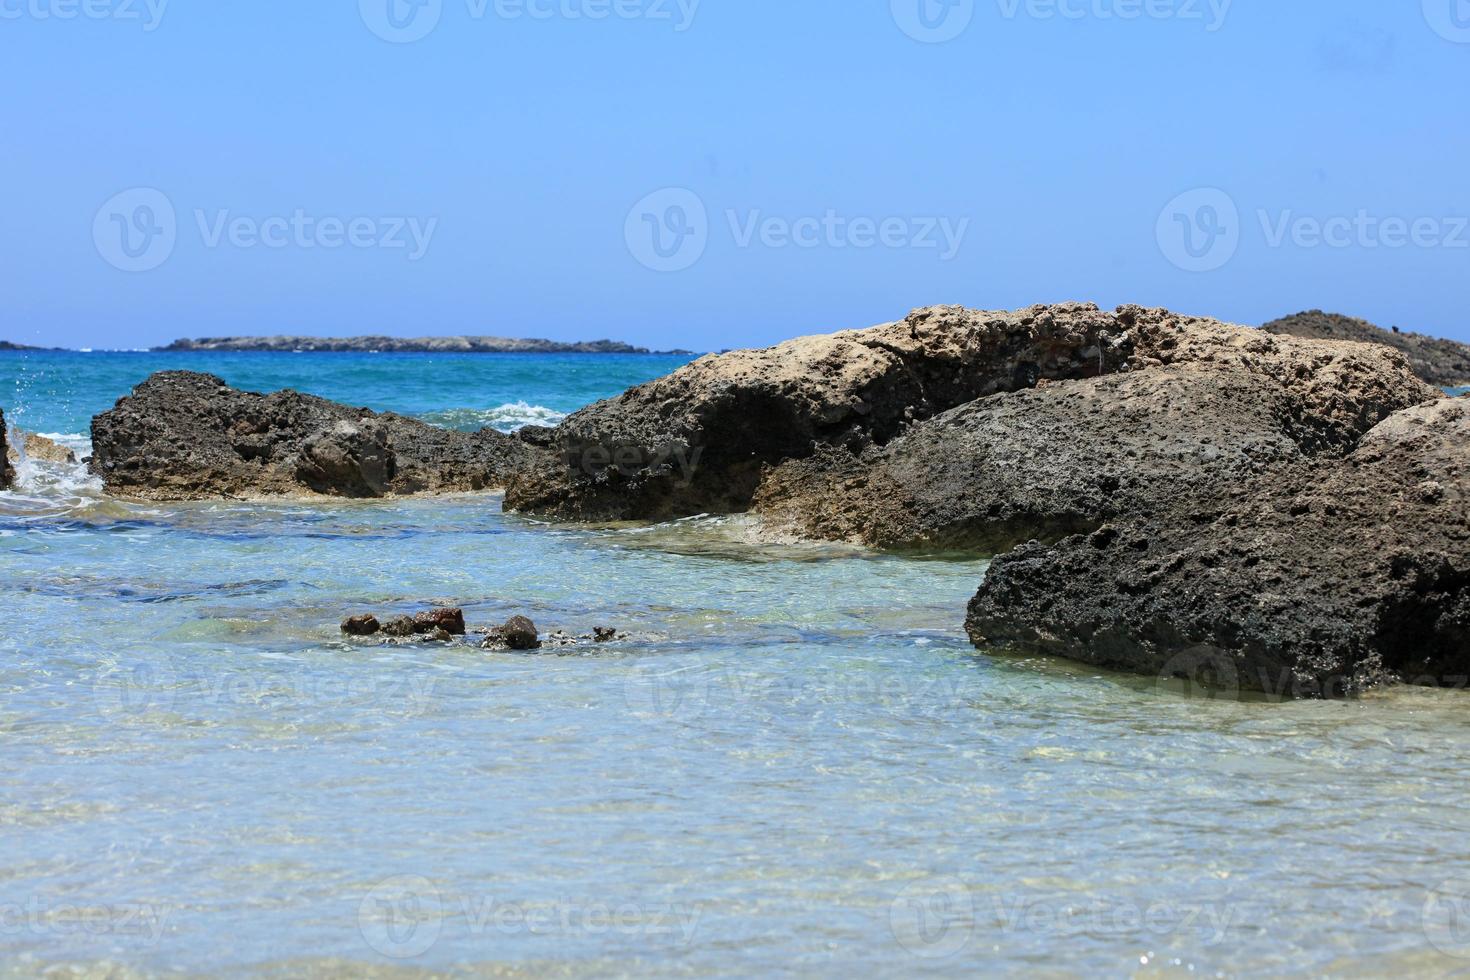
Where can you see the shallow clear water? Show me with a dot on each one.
(793, 764)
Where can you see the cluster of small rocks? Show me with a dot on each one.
(442, 625)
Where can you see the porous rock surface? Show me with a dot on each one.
(696, 440)
(1317, 579)
(182, 435)
(1200, 406)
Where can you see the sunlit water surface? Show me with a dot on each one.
(794, 763)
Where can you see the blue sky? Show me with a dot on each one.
(723, 172)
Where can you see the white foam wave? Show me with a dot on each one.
(506, 418)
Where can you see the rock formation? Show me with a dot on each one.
(7, 474)
(1444, 363)
(1203, 405)
(182, 435)
(697, 440)
(1318, 579)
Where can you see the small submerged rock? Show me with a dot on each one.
(518, 633)
(361, 625)
(450, 620)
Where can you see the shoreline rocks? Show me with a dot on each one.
(181, 435)
(696, 441)
(1321, 580)
(7, 473)
(38, 447)
(1063, 458)
(1443, 363)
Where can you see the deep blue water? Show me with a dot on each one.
(794, 764)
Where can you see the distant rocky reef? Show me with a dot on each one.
(408, 345)
(1440, 362)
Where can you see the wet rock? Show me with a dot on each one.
(1065, 458)
(696, 441)
(1314, 580)
(449, 620)
(518, 633)
(604, 634)
(402, 626)
(38, 447)
(182, 435)
(7, 474)
(366, 625)
(1443, 363)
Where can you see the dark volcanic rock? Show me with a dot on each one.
(1318, 579)
(7, 475)
(182, 435)
(518, 633)
(1225, 405)
(450, 621)
(696, 440)
(361, 625)
(1440, 362)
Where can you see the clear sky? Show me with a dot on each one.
(722, 172)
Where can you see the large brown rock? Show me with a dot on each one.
(1203, 405)
(1316, 579)
(38, 447)
(7, 474)
(1444, 363)
(182, 435)
(696, 441)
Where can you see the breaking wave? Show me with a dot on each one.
(506, 418)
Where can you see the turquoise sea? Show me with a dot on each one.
(794, 765)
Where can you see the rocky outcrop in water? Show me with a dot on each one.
(697, 440)
(182, 435)
(1202, 405)
(7, 474)
(38, 447)
(1443, 363)
(1317, 579)
(404, 345)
